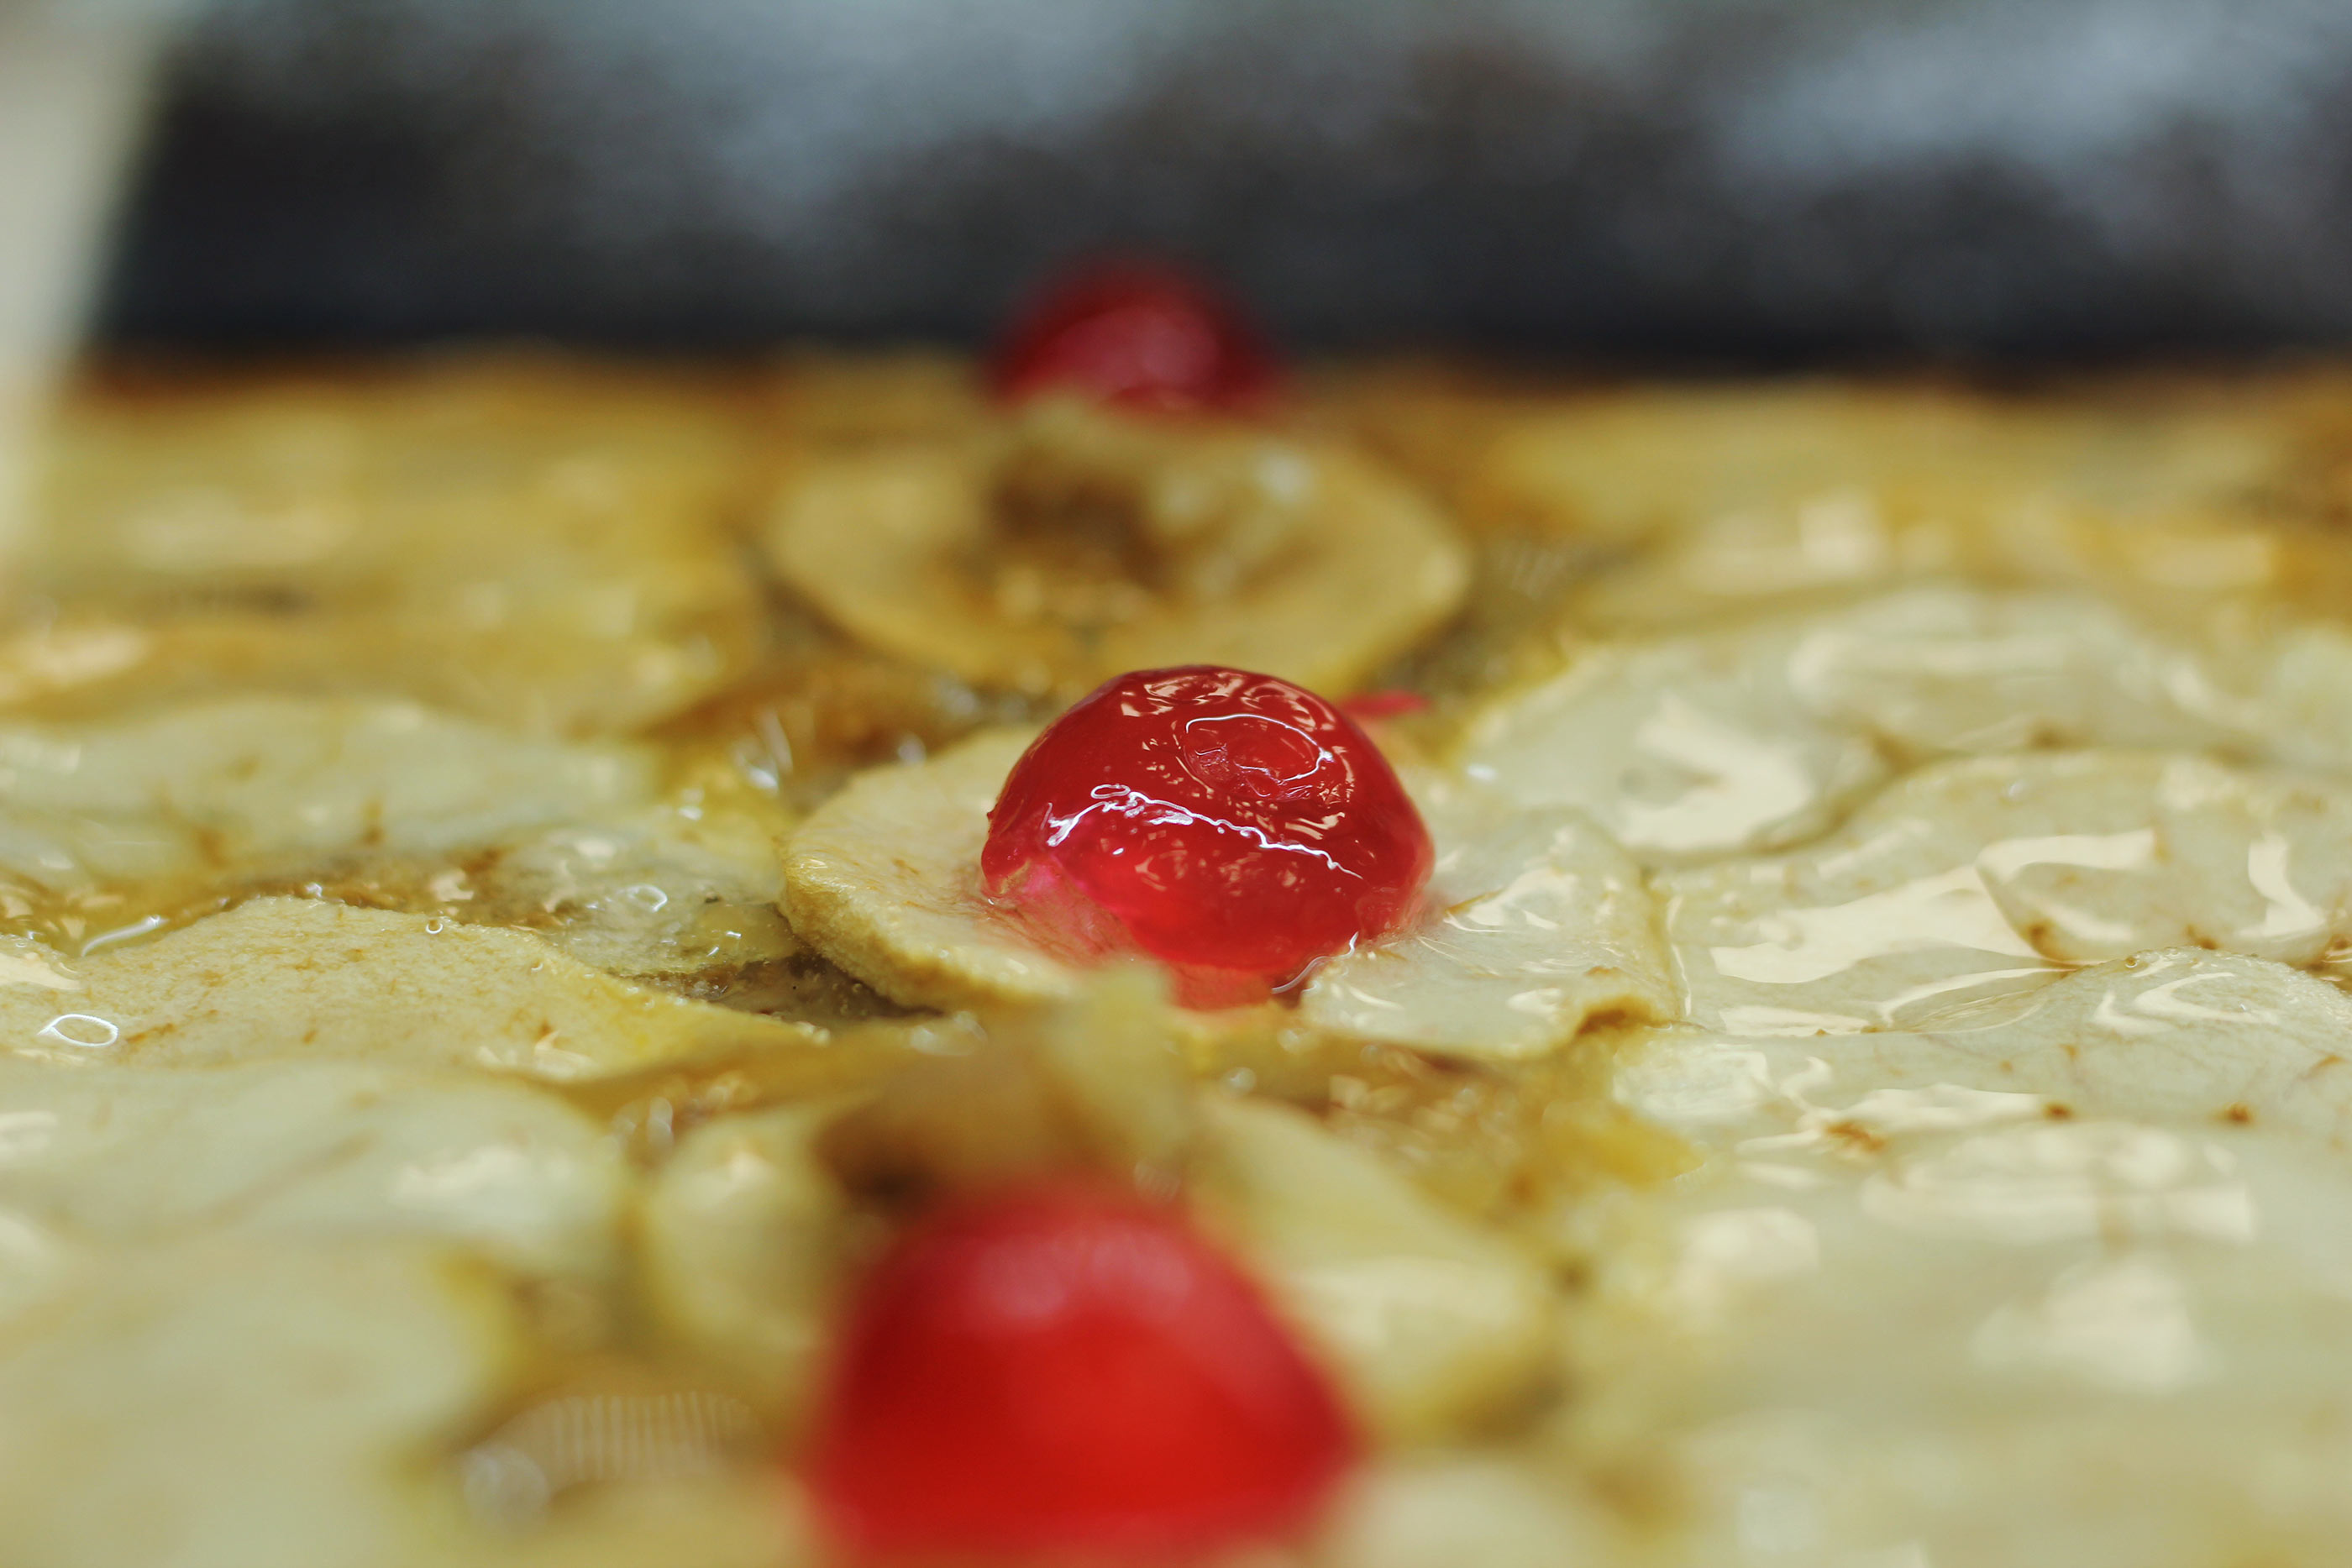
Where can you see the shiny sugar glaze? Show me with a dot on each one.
(1813, 1034)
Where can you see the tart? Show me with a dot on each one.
(1130, 954)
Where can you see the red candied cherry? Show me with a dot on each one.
(1139, 335)
(1233, 826)
(1063, 1374)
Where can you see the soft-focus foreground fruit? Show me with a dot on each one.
(1063, 1374)
(1233, 826)
(1139, 335)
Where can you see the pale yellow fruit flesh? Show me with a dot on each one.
(297, 977)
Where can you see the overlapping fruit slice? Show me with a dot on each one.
(1537, 924)
(1695, 746)
(298, 978)
(532, 544)
(1987, 875)
(1118, 518)
(315, 1152)
(252, 786)
(112, 830)
(1630, 464)
(2096, 1221)
(2181, 1035)
(1176, 814)
(154, 1386)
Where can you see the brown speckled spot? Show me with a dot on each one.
(1857, 1136)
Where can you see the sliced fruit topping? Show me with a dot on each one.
(223, 1399)
(296, 978)
(1142, 334)
(514, 541)
(2243, 1042)
(884, 879)
(1061, 1373)
(1066, 542)
(1541, 924)
(1233, 826)
(1985, 876)
(190, 798)
(1847, 467)
(1434, 1325)
(314, 1153)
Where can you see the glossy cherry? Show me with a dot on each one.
(1139, 335)
(1233, 826)
(1061, 1374)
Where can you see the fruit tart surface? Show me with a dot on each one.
(1135, 954)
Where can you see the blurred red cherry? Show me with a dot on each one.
(1064, 1374)
(1142, 335)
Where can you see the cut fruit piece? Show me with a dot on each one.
(884, 879)
(1537, 923)
(2134, 1335)
(2038, 1251)
(2182, 1035)
(679, 891)
(670, 891)
(2174, 498)
(240, 788)
(1987, 875)
(1056, 1372)
(1433, 1323)
(1087, 544)
(740, 1241)
(830, 397)
(1934, 671)
(529, 672)
(2304, 699)
(731, 1519)
(298, 978)
(1754, 739)
(316, 1151)
(1097, 1085)
(1487, 1510)
(2173, 569)
(1632, 465)
(1686, 748)
(227, 1405)
(515, 542)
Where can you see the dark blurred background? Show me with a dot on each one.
(1761, 180)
